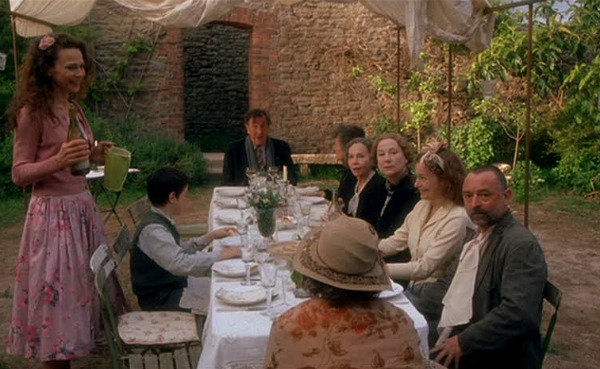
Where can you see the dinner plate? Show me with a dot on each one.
(226, 203)
(308, 191)
(239, 295)
(225, 220)
(396, 290)
(314, 199)
(234, 268)
(231, 191)
(286, 249)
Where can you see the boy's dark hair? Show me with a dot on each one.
(164, 181)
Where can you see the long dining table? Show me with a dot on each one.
(237, 336)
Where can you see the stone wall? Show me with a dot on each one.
(216, 80)
(310, 65)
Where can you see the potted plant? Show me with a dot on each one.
(265, 202)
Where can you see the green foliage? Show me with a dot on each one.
(576, 130)
(474, 142)
(150, 153)
(325, 171)
(382, 85)
(385, 124)
(7, 187)
(537, 183)
(215, 143)
(116, 80)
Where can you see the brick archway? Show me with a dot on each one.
(262, 82)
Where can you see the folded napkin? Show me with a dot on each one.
(308, 191)
(314, 199)
(225, 220)
(226, 203)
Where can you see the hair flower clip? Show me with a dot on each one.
(46, 42)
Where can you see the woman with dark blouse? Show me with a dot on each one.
(362, 200)
(393, 156)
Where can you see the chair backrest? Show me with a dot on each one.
(138, 209)
(553, 296)
(99, 257)
(103, 268)
(122, 245)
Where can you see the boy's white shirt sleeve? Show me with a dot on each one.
(159, 245)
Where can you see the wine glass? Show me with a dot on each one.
(273, 173)
(305, 208)
(268, 279)
(247, 250)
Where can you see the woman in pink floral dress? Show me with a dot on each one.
(55, 315)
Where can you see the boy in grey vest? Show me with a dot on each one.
(160, 261)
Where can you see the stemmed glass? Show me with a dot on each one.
(305, 212)
(251, 174)
(247, 250)
(273, 173)
(261, 255)
(268, 279)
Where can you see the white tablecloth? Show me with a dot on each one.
(231, 337)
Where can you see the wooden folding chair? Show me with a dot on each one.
(553, 296)
(161, 339)
(138, 209)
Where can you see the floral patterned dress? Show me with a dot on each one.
(365, 335)
(55, 313)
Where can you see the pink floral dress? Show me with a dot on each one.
(55, 313)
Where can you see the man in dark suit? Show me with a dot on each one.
(257, 151)
(492, 310)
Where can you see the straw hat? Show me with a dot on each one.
(343, 254)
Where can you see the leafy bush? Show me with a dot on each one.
(537, 187)
(7, 187)
(474, 142)
(150, 153)
(215, 143)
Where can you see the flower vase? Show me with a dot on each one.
(266, 221)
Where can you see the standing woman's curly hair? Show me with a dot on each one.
(35, 87)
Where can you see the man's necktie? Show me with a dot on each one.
(260, 157)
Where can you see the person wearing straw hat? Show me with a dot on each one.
(344, 324)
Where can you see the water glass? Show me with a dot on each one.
(268, 279)
(285, 271)
(305, 211)
(247, 250)
(261, 253)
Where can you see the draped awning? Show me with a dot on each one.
(453, 21)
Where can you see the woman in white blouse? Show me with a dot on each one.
(434, 232)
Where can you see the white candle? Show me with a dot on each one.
(285, 174)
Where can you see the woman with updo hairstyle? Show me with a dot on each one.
(363, 199)
(393, 155)
(434, 232)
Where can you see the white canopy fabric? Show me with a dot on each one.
(454, 21)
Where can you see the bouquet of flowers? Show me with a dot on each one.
(265, 198)
(265, 201)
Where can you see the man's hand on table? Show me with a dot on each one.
(230, 253)
(450, 350)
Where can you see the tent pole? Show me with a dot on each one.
(450, 73)
(528, 114)
(15, 50)
(398, 77)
